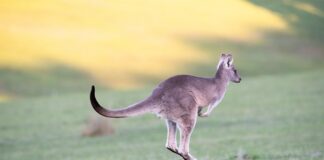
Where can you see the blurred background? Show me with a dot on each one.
(51, 52)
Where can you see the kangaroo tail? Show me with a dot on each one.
(132, 110)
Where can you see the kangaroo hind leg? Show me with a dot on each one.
(171, 143)
(186, 128)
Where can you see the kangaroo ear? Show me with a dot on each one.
(229, 61)
(226, 60)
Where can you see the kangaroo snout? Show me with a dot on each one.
(238, 80)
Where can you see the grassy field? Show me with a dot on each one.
(264, 117)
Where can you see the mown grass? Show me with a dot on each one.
(268, 117)
(33, 83)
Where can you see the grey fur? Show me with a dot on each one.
(179, 100)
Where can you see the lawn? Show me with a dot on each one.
(269, 117)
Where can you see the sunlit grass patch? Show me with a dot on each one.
(115, 41)
(309, 8)
(4, 97)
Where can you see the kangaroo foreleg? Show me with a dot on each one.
(207, 113)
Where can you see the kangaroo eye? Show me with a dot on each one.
(235, 70)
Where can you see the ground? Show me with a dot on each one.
(264, 117)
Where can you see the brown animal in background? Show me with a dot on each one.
(97, 126)
(179, 100)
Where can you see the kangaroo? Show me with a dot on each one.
(180, 100)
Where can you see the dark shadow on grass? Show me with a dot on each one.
(253, 59)
(276, 52)
(307, 25)
(57, 79)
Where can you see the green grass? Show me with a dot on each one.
(268, 117)
(33, 83)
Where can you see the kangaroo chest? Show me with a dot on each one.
(215, 102)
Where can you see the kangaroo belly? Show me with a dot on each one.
(170, 113)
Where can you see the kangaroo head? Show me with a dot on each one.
(228, 68)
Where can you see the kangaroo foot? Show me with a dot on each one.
(187, 157)
(173, 149)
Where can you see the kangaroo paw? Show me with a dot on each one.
(203, 114)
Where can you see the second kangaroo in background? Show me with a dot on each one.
(179, 100)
